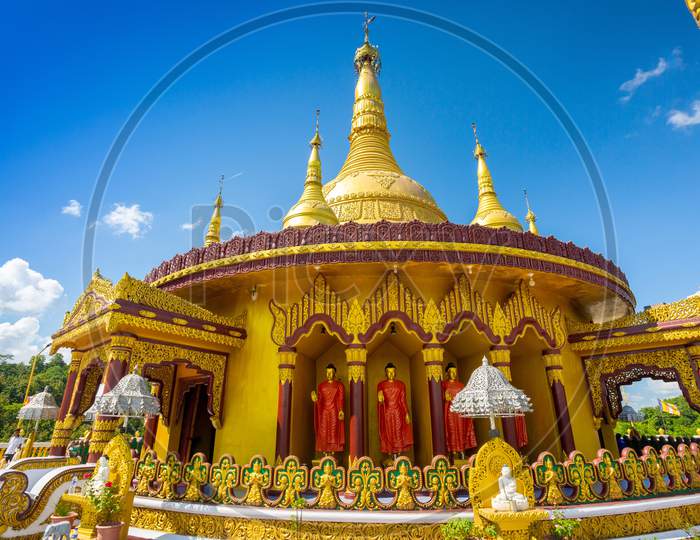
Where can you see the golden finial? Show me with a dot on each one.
(316, 141)
(214, 229)
(311, 208)
(365, 25)
(530, 217)
(490, 212)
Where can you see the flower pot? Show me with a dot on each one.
(109, 532)
(70, 517)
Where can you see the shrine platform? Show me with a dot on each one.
(156, 519)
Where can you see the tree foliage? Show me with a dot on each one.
(676, 426)
(50, 371)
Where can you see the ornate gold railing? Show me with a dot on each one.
(402, 486)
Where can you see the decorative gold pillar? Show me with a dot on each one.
(287, 358)
(104, 427)
(65, 422)
(432, 358)
(554, 369)
(356, 358)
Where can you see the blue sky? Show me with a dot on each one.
(73, 73)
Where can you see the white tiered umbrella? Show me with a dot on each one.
(41, 406)
(131, 397)
(488, 394)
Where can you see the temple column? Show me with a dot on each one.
(287, 363)
(432, 358)
(356, 358)
(554, 369)
(104, 427)
(64, 427)
(500, 358)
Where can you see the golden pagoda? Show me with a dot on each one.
(243, 341)
(490, 212)
(312, 208)
(213, 235)
(370, 185)
(530, 217)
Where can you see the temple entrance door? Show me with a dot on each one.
(197, 433)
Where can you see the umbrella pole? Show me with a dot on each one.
(36, 426)
(493, 432)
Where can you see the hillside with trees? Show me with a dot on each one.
(676, 426)
(50, 371)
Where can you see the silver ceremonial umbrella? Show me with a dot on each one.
(628, 414)
(131, 397)
(41, 406)
(488, 394)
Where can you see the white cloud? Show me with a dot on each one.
(24, 290)
(73, 208)
(190, 226)
(682, 119)
(642, 76)
(129, 220)
(645, 393)
(21, 339)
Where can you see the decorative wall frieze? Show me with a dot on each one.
(430, 320)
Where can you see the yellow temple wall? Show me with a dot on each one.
(250, 398)
(302, 439)
(580, 408)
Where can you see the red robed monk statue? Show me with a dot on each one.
(329, 414)
(395, 431)
(459, 431)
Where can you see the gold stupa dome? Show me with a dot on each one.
(371, 186)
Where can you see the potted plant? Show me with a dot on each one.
(465, 529)
(63, 512)
(564, 528)
(106, 502)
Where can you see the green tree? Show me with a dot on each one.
(677, 426)
(51, 372)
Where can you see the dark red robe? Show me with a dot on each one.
(459, 431)
(395, 434)
(520, 431)
(330, 431)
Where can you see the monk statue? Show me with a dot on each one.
(508, 498)
(329, 413)
(395, 430)
(459, 431)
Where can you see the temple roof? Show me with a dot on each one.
(370, 185)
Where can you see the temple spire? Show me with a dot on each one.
(530, 217)
(490, 212)
(312, 208)
(369, 137)
(214, 229)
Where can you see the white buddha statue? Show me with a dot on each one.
(97, 483)
(508, 498)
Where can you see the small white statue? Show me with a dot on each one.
(508, 498)
(97, 483)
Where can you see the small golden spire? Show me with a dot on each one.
(530, 217)
(214, 230)
(312, 208)
(490, 212)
